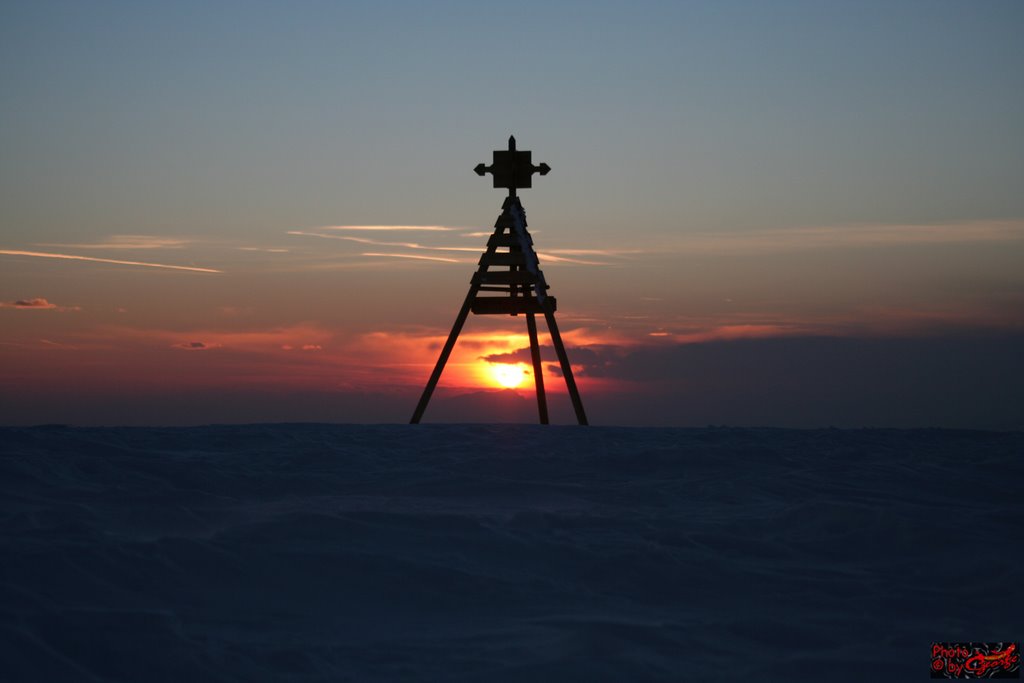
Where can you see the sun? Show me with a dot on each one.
(508, 375)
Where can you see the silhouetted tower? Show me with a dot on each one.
(516, 285)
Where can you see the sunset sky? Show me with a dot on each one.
(760, 213)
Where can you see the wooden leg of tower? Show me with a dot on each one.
(538, 369)
(460, 320)
(563, 359)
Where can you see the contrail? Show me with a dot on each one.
(75, 257)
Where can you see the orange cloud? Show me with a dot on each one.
(36, 304)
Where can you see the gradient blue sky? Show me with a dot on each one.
(732, 170)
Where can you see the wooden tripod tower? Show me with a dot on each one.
(516, 280)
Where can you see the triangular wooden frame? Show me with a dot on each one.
(522, 290)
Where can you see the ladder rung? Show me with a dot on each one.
(494, 305)
(502, 240)
(512, 258)
(521, 277)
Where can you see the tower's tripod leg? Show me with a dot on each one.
(563, 359)
(460, 320)
(538, 370)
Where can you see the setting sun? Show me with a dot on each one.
(508, 375)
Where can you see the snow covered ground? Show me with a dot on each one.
(502, 553)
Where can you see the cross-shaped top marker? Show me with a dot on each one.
(511, 169)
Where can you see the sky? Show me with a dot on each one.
(791, 214)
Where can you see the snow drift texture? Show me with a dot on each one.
(502, 553)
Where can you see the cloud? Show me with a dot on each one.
(267, 340)
(49, 343)
(36, 304)
(564, 256)
(304, 347)
(389, 228)
(412, 256)
(236, 311)
(407, 245)
(951, 380)
(968, 378)
(28, 303)
(590, 361)
(601, 356)
(853, 236)
(128, 242)
(551, 258)
(547, 353)
(734, 331)
(382, 243)
(595, 252)
(75, 257)
(196, 346)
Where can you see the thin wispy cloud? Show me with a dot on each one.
(551, 258)
(735, 332)
(50, 344)
(126, 242)
(76, 257)
(381, 243)
(390, 228)
(854, 236)
(594, 252)
(761, 241)
(408, 245)
(254, 340)
(419, 257)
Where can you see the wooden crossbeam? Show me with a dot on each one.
(513, 277)
(512, 258)
(503, 240)
(505, 305)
